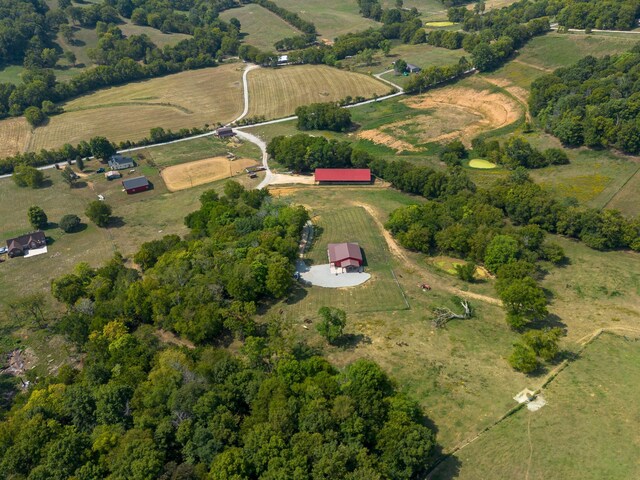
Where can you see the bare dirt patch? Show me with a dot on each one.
(19, 362)
(187, 175)
(381, 138)
(495, 109)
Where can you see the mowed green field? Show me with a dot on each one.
(262, 28)
(352, 224)
(331, 17)
(459, 374)
(587, 430)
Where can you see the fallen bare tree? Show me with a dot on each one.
(441, 315)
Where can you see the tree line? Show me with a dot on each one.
(323, 116)
(592, 103)
(98, 147)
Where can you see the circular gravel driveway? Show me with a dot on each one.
(321, 276)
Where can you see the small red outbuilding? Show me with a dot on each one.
(344, 257)
(136, 184)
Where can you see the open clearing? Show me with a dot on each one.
(128, 112)
(276, 93)
(331, 17)
(587, 430)
(481, 163)
(192, 174)
(454, 112)
(262, 28)
(439, 24)
(626, 199)
(159, 38)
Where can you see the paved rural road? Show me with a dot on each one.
(554, 26)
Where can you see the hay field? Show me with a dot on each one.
(262, 28)
(276, 93)
(331, 17)
(14, 136)
(192, 174)
(626, 200)
(128, 112)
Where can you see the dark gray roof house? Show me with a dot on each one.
(20, 245)
(120, 162)
(136, 184)
(411, 68)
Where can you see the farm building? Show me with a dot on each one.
(112, 175)
(120, 162)
(344, 257)
(283, 59)
(225, 132)
(136, 184)
(20, 245)
(411, 68)
(326, 176)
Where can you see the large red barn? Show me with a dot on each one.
(342, 175)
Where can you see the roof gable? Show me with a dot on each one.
(135, 182)
(343, 175)
(342, 251)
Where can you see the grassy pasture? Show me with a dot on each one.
(626, 199)
(459, 374)
(128, 112)
(331, 17)
(159, 38)
(14, 136)
(262, 27)
(586, 431)
(422, 55)
(278, 92)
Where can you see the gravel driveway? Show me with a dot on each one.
(321, 276)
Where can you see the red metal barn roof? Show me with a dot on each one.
(343, 175)
(344, 251)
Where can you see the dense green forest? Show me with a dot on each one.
(594, 102)
(139, 409)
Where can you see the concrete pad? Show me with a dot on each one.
(321, 276)
(35, 251)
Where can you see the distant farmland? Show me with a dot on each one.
(276, 93)
(185, 100)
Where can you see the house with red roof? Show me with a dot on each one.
(344, 257)
(336, 176)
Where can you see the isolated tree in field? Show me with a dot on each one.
(80, 163)
(101, 148)
(523, 358)
(400, 66)
(68, 176)
(385, 46)
(544, 342)
(29, 309)
(332, 324)
(37, 218)
(466, 271)
(70, 57)
(524, 301)
(27, 176)
(99, 213)
(69, 223)
(34, 116)
(67, 33)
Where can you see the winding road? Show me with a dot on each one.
(269, 176)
